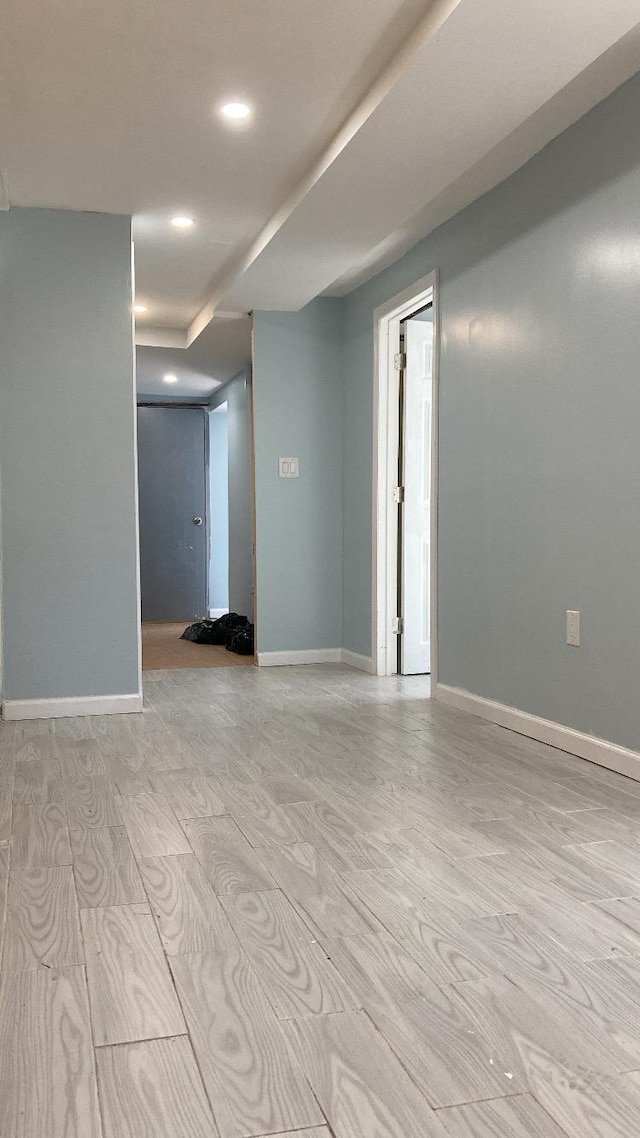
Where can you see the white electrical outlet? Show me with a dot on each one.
(573, 628)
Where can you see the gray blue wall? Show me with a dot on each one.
(237, 395)
(539, 432)
(67, 455)
(218, 511)
(298, 412)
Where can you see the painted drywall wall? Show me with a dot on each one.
(237, 395)
(539, 415)
(67, 432)
(297, 369)
(218, 509)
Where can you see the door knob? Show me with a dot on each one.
(197, 521)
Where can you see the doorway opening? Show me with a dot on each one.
(183, 457)
(405, 483)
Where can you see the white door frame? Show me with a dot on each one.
(386, 438)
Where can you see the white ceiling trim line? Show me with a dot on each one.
(161, 338)
(177, 337)
(437, 15)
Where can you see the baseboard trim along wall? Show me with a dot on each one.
(316, 656)
(72, 706)
(301, 656)
(598, 751)
(355, 660)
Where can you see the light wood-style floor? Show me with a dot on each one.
(307, 902)
(162, 648)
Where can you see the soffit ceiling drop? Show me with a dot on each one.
(373, 121)
(223, 350)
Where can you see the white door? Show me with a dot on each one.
(415, 647)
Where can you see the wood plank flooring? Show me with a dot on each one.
(311, 903)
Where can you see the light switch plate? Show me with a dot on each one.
(573, 628)
(288, 468)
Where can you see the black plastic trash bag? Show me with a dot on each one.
(240, 640)
(198, 632)
(214, 631)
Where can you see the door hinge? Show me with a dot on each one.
(398, 494)
(399, 361)
(396, 625)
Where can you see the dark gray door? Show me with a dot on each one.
(173, 533)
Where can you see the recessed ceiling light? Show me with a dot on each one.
(170, 378)
(235, 110)
(140, 308)
(182, 222)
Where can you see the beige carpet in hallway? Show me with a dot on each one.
(163, 648)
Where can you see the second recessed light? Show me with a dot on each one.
(235, 110)
(170, 378)
(182, 222)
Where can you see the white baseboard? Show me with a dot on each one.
(316, 656)
(578, 743)
(71, 706)
(355, 660)
(302, 656)
(215, 613)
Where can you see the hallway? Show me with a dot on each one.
(308, 902)
(163, 648)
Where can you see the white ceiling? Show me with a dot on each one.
(374, 120)
(223, 349)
